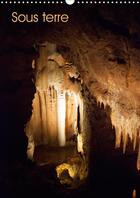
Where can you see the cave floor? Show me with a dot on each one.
(109, 177)
(45, 155)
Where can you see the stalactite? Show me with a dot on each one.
(134, 194)
(41, 115)
(80, 143)
(125, 138)
(51, 117)
(71, 116)
(57, 117)
(126, 125)
(61, 102)
(138, 159)
(45, 118)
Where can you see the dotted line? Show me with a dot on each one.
(31, 2)
(78, 2)
(108, 2)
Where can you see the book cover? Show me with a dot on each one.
(69, 98)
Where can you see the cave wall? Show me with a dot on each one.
(16, 95)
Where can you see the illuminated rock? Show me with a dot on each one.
(138, 159)
(126, 121)
(76, 168)
(58, 105)
(30, 148)
(80, 143)
(134, 194)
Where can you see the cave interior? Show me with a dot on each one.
(69, 100)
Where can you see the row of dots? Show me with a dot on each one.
(31, 2)
(108, 2)
(61, 2)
